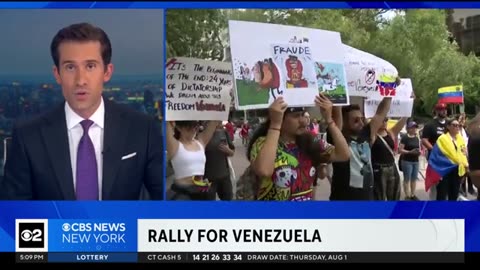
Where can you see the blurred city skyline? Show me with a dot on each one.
(137, 38)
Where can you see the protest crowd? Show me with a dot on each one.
(368, 161)
(367, 150)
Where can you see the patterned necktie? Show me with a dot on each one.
(87, 174)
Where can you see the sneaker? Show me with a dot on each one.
(414, 198)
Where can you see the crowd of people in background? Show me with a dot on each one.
(288, 151)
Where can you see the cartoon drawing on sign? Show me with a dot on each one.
(245, 72)
(370, 76)
(295, 73)
(295, 68)
(296, 65)
(280, 61)
(331, 79)
(269, 77)
(255, 84)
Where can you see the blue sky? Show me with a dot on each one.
(136, 36)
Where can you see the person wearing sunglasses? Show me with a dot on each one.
(453, 147)
(353, 179)
(186, 152)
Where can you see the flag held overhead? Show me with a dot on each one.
(451, 94)
(387, 84)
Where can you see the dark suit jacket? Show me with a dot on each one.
(39, 168)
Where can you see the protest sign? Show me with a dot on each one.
(399, 107)
(296, 63)
(197, 89)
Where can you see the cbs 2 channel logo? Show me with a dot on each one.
(31, 234)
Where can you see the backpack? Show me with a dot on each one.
(247, 186)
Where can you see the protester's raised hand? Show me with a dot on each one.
(325, 105)
(276, 111)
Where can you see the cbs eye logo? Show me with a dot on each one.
(31, 235)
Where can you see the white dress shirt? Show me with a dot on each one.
(75, 133)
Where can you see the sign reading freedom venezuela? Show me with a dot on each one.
(197, 89)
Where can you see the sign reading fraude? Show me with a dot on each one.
(300, 235)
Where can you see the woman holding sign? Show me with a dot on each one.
(386, 183)
(284, 156)
(186, 151)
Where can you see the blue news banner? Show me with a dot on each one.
(219, 240)
(238, 232)
(205, 240)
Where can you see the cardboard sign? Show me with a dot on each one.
(198, 89)
(399, 107)
(296, 63)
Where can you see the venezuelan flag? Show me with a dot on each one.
(441, 161)
(386, 85)
(450, 94)
(438, 166)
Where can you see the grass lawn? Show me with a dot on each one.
(338, 95)
(250, 93)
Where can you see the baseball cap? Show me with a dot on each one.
(295, 109)
(440, 106)
(412, 124)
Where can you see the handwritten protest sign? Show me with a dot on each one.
(296, 65)
(404, 90)
(293, 62)
(363, 71)
(197, 89)
(399, 107)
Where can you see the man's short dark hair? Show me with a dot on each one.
(82, 32)
(349, 108)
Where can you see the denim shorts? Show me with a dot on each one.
(410, 170)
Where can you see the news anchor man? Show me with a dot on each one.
(88, 148)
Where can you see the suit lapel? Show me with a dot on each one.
(114, 138)
(55, 136)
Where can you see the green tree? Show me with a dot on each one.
(195, 33)
(418, 45)
(417, 42)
